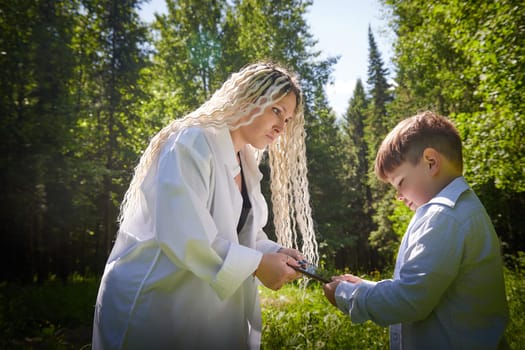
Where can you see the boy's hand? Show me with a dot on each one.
(329, 291)
(349, 278)
(329, 288)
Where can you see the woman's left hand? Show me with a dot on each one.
(294, 253)
(296, 257)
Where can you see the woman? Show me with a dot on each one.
(184, 269)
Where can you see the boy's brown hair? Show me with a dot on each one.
(409, 138)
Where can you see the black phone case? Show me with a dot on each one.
(312, 275)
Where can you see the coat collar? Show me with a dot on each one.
(226, 149)
(227, 152)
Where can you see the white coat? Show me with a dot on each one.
(179, 275)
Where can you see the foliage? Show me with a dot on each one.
(68, 89)
(111, 35)
(400, 218)
(466, 60)
(51, 315)
(377, 124)
(515, 285)
(187, 49)
(35, 107)
(490, 37)
(354, 251)
(85, 84)
(324, 151)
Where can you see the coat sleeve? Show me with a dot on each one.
(266, 245)
(185, 228)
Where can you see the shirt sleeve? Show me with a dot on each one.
(429, 265)
(346, 292)
(185, 228)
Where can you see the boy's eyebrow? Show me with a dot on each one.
(397, 184)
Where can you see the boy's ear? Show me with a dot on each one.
(432, 159)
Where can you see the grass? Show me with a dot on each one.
(295, 318)
(59, 316)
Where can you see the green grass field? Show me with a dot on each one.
(59, 316)
(296, 318)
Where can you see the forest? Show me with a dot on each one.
(85, 84)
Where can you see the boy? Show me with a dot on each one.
(448, 290)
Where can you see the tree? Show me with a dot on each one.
(464, 60)
(357, 192)
(325, 166)
(83, 90)
(377, 124)
(112, 38)
(187, 50)
(37, 67)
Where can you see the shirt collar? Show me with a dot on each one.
(450, 194)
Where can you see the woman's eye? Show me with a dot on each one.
(277, 111)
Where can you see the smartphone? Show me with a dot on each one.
(309, 270)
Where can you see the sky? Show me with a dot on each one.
(341, 29)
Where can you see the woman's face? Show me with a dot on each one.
(267, 127)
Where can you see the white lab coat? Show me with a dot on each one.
(179, 275)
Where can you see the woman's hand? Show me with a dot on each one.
(296, 256)
(274, 270)
(294, 253)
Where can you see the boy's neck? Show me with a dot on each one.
(445, 177)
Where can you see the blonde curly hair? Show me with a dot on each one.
(249, 92)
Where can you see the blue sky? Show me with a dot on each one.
(341, 29)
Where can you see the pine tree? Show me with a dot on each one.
(109, 44)
(188, 48)
(37, 66)
(355, 185)
(377, 125)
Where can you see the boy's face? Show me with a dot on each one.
(413, 183)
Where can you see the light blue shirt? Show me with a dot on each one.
(448, 290)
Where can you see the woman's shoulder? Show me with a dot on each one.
(194, 139)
